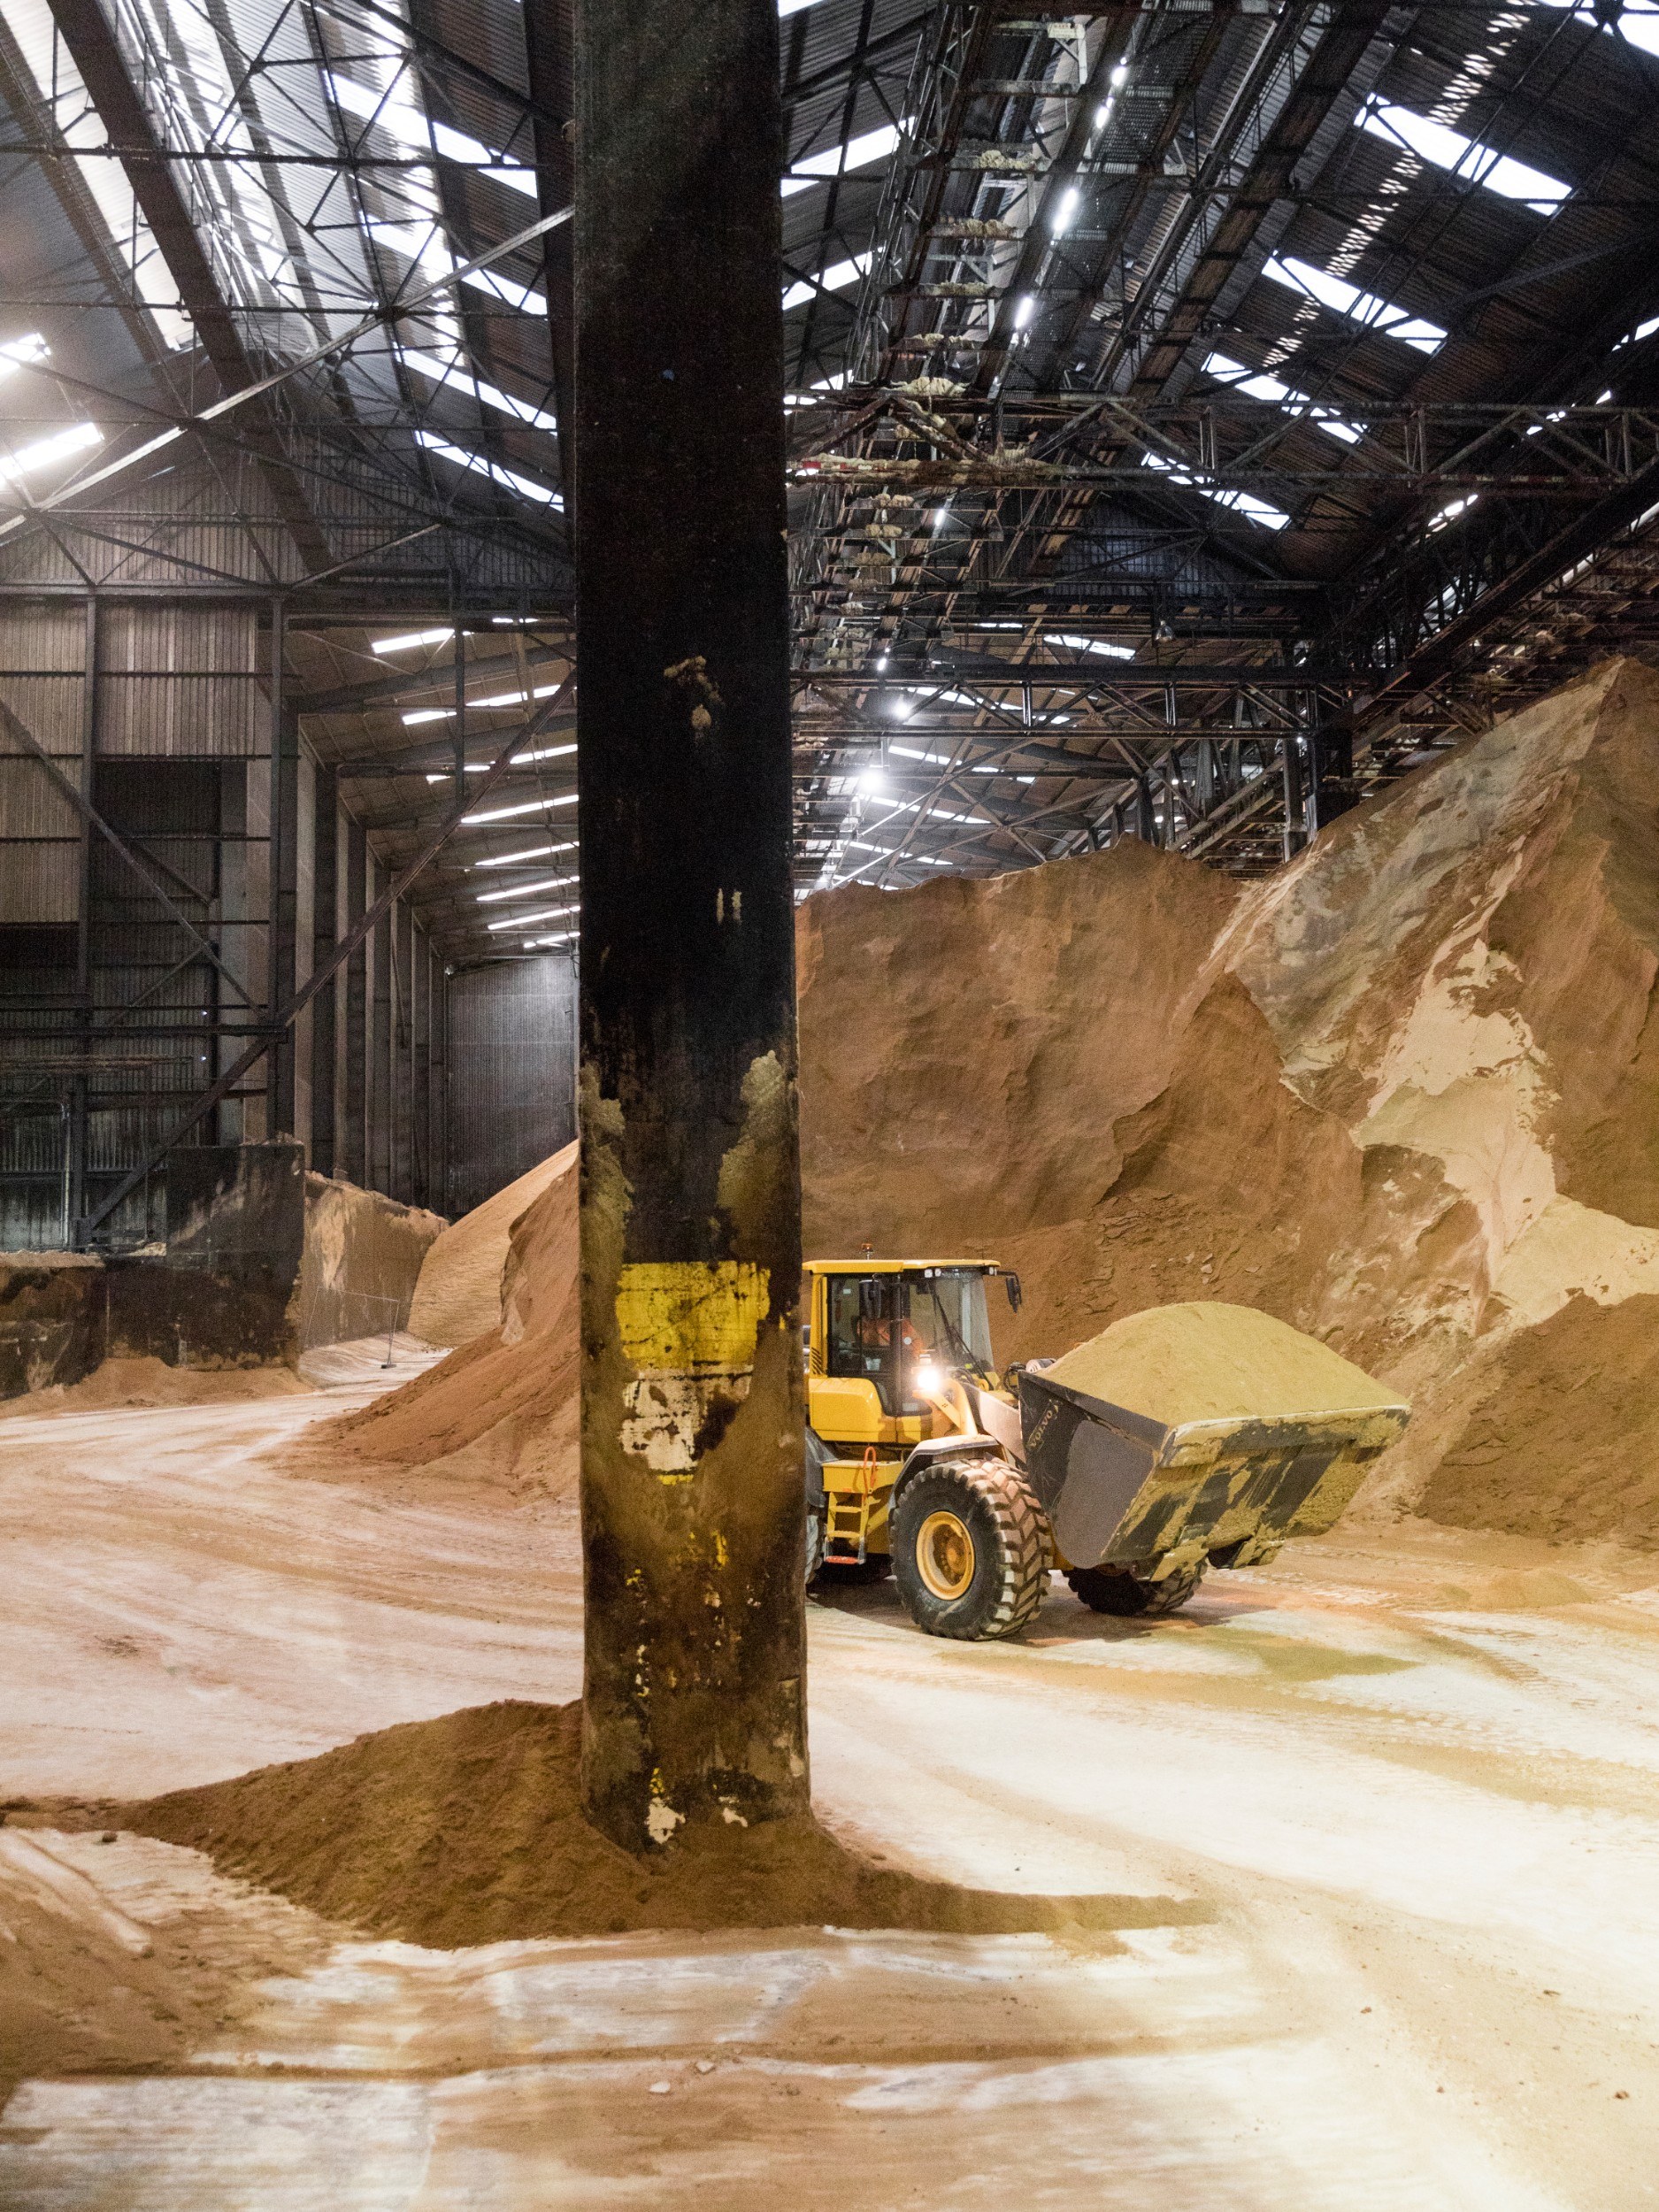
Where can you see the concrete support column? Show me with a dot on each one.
(420, 1066)
(440, 1091)
(692, 1497)
(281, 968)
(79, 1117)
(381, 1042)
(354, 1161)
(325, 922)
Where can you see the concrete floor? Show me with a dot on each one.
(1405, 1807)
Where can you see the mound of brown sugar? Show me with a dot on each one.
(1563, 1439)
(469, 1830)
(501, 1414)
(458, 1294)
(1206, 1360)
(147, 1381)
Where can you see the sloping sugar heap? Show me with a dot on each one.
(499, 1411)
(469, 1830)
(1404, 1095)
(1211, 1361)
(458, 1294)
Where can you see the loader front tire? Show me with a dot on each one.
(971, 1549)
(1120, 1590)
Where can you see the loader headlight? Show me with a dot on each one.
(928, 1377)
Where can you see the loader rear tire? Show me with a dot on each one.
(1120, 1590)
(971, 1549)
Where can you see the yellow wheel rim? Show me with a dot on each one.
(944, 1555)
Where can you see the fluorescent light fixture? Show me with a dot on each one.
(412, 128)
(529, 852)
(528, 806)
(519, 760)
(1264, 387)
(793, 7)
(857, 153)
(1347, 299)
(522, 921)
(834, 279)
(494, 699)
(1092, 645)
(1246, 503)
(560, 936)
(45, 452)
(1065, 213)
(1641, 331)
(1120, 72)
(1448, 149)
(1451, 510)
(415, 638)
(901, 709)
(527, 890)
(509, 480)
(457, 372)
(1024, 312)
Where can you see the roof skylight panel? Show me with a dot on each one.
(1446, 148)
(46, 452)
(1638, 22)
(72, 117)
(412, 127)
(1064, 640)
(857, 153)
(458, 372)
(1259, 385)
(1360, 307)
(424, 245)
(834, 279)
(21, 353)
(1246, 503)
(509, 480)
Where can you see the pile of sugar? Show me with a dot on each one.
(1209, 1362)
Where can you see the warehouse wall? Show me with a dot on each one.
(168, 717)
(511, 1083)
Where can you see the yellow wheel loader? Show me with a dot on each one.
(971, 1485)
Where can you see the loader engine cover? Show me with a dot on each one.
(1232, 1433)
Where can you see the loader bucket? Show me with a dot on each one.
(1228, 1453)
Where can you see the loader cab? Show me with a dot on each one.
(882, 1334)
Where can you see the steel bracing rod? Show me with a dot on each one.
(16, 727)
(250, 395)
(92, 46)
(1582, 539)
(287, 1014)
(435, 49)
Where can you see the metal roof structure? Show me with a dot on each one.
(1201, 408)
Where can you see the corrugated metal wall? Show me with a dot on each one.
(172, 737)
(512, 1087)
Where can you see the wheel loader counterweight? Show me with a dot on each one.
(1184, 1437)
